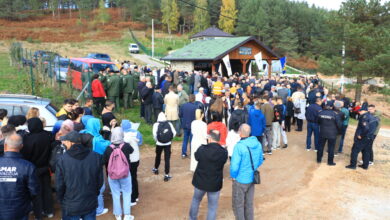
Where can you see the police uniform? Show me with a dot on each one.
(330, 125)
(365, 130)
(113, 89)
(128, 90)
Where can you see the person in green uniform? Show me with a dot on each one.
(136, 75)
(113, 88)
(103, 79)
(128, 88)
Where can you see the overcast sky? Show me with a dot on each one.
(328, 4)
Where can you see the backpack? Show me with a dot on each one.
(118, 167)
(164, 132)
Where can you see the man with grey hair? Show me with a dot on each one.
(147, 99)
(5, 131)
(208, 176)
(18, 181)
(247, 157)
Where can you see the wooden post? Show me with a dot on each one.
(212, 67)
(269, 68)
(244, 62)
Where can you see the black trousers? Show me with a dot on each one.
(99, 104)
(167, 157)
(142, 111)
(156, 112)
(299, 124)
(43, 202)
(361, 145)
(134, 181)
(148, 113)
(370, 150)
(288, 123)
(331, 144)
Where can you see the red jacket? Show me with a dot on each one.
(97, 89)
(221, 127)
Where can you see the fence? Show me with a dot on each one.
(46, 69)
(144, 48)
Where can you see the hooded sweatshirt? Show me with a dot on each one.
(99, 145)
(37, 145)
(240, 165)
(162, 118)
(117, 136)
(134, 138)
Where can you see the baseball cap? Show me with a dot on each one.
(72, 136)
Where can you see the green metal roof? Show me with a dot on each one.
(210, 49)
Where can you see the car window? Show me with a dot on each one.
(134, 46)
(9, 109)
(20, 110)
(52, 109)
(76, 65)
(64, 64)
(96, 67)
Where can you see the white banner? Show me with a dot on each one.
(250, 68)
(220, 69)
(226, 61)
(259, 61)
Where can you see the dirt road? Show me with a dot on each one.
(293, 186)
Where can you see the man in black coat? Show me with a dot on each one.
(79, 177)
(147, 99)
(208, 176)
(158, 102)
(140, 85)
(330, 125)
(37, 150)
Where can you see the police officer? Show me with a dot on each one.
(113, 88)
(128, 88)
(18, 181)
(363, 136)
(330, 125)
(377, 115)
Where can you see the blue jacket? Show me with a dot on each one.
(18, 184)
(312, 112)
(257, 122)
(187, 114)
(240, 165)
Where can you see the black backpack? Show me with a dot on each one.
(164, 132)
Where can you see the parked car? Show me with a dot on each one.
(99, 56)
(17, 104)
(133, 48)
(60, 69)
(46, 56)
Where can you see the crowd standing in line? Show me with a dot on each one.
(240, 117)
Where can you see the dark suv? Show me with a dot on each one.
(99, 56)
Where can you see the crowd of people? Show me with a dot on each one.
(238, 118)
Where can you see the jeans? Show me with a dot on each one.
(117, 187)
(267, 139)
(312, 128)
(100, 207)
(212, 204)
(331, 144)
(89, 216)
(186, 139)
(299, 124)
(243, 200)
(343, 132)
(134, 181)
(43, 202)
(167, 157)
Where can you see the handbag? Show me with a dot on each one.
(256, 173)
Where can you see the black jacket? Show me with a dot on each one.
(158, 100)
(107, 118)
(290, 109)
(330, 124)
(37, 146)
(79, 177)
(147, 95)
(312, 112)
(238, 117)
(208, 175)
(366, 126)
(126, 149)
(16, 197)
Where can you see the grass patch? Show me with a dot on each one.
(9, 75)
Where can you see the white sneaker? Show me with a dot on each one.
(104, 212)
(128, 217)
(118, 217)
(137, 200)
(371, 163)
(133, 204)
(308, 149)
(360, 161)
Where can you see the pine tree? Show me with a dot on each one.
(228, 9)
(288, 43)
(201, 16)
(103, 16)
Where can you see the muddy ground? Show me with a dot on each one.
(293, 186)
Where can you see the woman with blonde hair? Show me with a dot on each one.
(32, 113)
(199, 136)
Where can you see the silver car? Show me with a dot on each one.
(60, 69)
(17, 104)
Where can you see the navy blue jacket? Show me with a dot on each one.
(366, 126)
(330, 124)
(311, 113)
(18, 184)
(187, 114)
